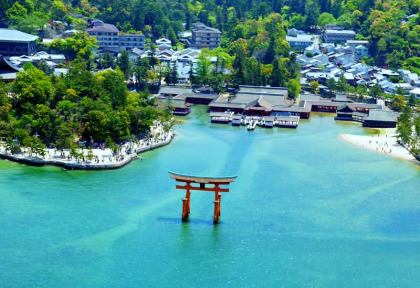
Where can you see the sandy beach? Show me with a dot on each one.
(385, 144)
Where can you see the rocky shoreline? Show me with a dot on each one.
(88, 165)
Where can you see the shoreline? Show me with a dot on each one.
(384, 143)
(89, 165)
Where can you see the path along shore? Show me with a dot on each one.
(385, 144)
(103, 158)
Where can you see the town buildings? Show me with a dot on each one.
(109, 39)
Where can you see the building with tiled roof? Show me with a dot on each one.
(16, 43)
(205, 37)
(109, 40)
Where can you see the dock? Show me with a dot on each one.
(281, 121)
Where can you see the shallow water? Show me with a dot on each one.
(307, 210)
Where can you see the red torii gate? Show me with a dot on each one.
(202, 181)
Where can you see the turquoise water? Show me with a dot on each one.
(307, 210)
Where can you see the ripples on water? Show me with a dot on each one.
(307, 210)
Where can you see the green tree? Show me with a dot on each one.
(125, 64)
(342, 84)
(204, 68)
(81, 45)
(294, 88)
(95, 126)
(312, 12)
(16, 13)
(326, 18)
(398, 102)
(331, 84)
(58, 10)
(31, 87)
(375, 91)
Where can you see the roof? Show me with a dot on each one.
(200, 27)
(345, 108)
(305, 97)
(16, 36)
(174, 103)
(341, 98)
(202, 179)
(132, 35)
(357, 41)
(299, 38)
(219, 114)
(340, 32)
(174, 90)
(198, 95)
(415, 91)
(103, 28)
(381, 115)
(262, 89)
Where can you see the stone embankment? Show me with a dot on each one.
(103, 158)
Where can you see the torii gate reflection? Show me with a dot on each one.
(204, 183)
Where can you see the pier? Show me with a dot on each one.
(284, 120)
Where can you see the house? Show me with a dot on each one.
(344, 59)
(321, 59)
(355, 43)
(164, 47)
(349, 78)
(184, 35)
(205, 37)
(300, 41)
(415, 92)
(135, 54)
(333, 27)
(411, 78)
(187, 55)
(295, 32)
(327, 47)
(360, 68)
(361, 51)
(405, 86)
(340, 49)
(16, 43)
(336, 36)
(163, 41)
(69, 33)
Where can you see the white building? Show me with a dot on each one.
(334, 36)
(415, 92)
(300, 41)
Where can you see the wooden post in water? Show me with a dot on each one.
(202, 182)
(186, 204)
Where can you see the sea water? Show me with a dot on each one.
(307, 210)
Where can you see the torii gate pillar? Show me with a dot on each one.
(202, 181)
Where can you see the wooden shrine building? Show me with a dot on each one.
(197, 183)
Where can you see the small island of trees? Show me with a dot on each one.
(38, 110)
